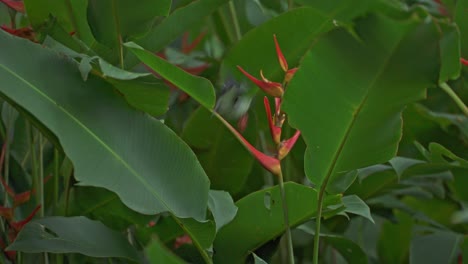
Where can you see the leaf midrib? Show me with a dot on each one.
(101, 142)
(358, 110)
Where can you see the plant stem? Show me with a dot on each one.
(41, 177)
(32, 150)
(290, 250)
(56, 177)
(317, 225)
(454, 97)
(235, 22)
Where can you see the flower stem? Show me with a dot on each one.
(235, 22)
(290, 250)
(455, 98)
(317, 225)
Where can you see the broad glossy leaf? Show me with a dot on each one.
(394, 239)
(202, 233)
(178, 22)
(73, 235)
(439, 247)
(351, 251)
(198, 88)
(222, 207)
(109, 70)
(110, 144)
(226, 162)
(347, 96)
(295, 31)
(256, 223)
(355, 205)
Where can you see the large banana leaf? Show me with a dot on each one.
(348, 94)
(110, 144)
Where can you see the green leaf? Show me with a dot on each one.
(215, 147)
(295, 31)
(109, 70)
(342, 10)
(394, 239)
(73, 235)
(355, 205)
(178, 22)
(198, 88)
(110, 144)
(339, 97)
(351, 251)
(222, 207)
(256, 224)
(147, 94)
(449, 53)
(439, 247)
(202, 233)
(258, 260)
(158, 253)
(116, 21)
(105, 206)
(461, 18)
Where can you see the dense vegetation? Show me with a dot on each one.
(246, 131)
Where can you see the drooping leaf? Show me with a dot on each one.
(347, 98)
(355, 205)
(111, 145)
(73, 235)
(198, 88)
(215, 147)
(222, 207)
(256, 224)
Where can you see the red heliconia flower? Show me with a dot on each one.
(17, 226)
(15, 5)
(282, 61)
(464, 61)
(268, 162)
(25, 32)
(271, 88)
(188, 47)
(275, 129)
(6, 212)
(242, 123)
(287, 145)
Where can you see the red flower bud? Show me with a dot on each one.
(274, 130)
(464, 61)
(281, 59)
(287, 145)
(271, 88)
